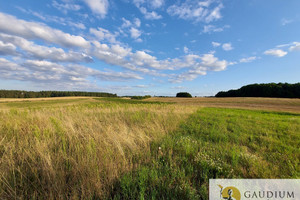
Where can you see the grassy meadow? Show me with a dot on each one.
(111, 148)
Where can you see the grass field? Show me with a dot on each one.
(103, 148)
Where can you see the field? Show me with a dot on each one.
(159, 148)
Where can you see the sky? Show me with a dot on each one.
(148, 47)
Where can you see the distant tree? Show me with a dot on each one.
(281, 90)
(184, 94)
(31, 94)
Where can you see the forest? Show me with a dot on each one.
(280, 90)
(41, 94)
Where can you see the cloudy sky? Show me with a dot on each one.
(156, 47)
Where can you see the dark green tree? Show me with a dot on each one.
(184, 94)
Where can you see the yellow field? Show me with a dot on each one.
(272, 104)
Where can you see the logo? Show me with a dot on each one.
(254, 189)
(229, 193)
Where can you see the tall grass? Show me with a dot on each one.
(129, 149)
(77, 151)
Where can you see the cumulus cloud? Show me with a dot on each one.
(275, 52)
(30, 49)
(33, 30)
(103, 34)
(135, 33)
(99, 7)
(205, 11)
(131, 28)
(58, 65)
(149, 15)
(247, 60)
(60, 76)
(200, 65)
(143, 4)
(227, 47)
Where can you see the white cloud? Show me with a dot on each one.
(275, 52)
(150, 15)
(65, 7)
(197, 11)
(132, 29)
(7, 48)
(7, 66)
(157, 3)
(103, 34)
(126, 23)
(214, 14)
(295, 46)
(185, 49)
(212, 28)
(247, 60)
(33, 30)
(30, 49)
(137, 22)
(215, 44)
(99, 7)
(227, 47)
(45, 72)
(76, 25)
(135, 33)
(45, 62)
(150, 3)
(199, 65)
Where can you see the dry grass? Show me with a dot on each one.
(77, 151)
(272, 104)
(39, 99)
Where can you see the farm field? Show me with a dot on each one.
(252, 103)
(158, 148)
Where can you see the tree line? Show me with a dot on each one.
(40, 94)
(281, 90)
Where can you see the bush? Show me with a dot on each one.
(141, 97)
(184, 94)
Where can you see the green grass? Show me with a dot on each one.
(215, 143)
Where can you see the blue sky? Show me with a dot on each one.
(141, 47)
